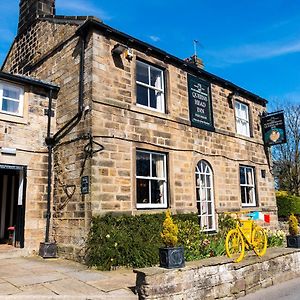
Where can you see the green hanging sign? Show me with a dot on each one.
(200, 105)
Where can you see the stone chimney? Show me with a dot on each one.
(198, 62)
(31, 9)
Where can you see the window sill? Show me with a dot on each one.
(144, 207)
(12, 118)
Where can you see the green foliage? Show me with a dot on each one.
(169, 234)
(287, 204)
(199, 245)
(275, 238)
(226, 222)
(131, 241)
(293, 225)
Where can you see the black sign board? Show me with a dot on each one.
(11, 167)
(85, 185)
(273, 129)
(200, 105)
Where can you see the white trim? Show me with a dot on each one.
(20, 100)
(242, 124)
(160, 106)
(149, 178)
(250, 204)
(204, 169)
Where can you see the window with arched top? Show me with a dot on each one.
(205, 196)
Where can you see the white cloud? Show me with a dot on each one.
(252, 52)
(82, 7)
(154, 38)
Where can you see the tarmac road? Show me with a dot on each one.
(289, 290)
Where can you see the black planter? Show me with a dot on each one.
(171, 258)
(48, 250)
(293, 241)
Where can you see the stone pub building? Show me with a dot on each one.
(133, 130)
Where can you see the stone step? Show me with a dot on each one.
(12, 252)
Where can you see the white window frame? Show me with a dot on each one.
(151, 87)
(164, 204)
(240, 120)
(244, 186)
(20, 100)
(203, 168)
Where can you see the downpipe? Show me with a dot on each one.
(49, 249)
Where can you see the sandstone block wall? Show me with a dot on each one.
(27, 135)
(116, 126)
(122, 127)
(218, 278)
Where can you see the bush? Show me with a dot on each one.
(131, 241)
(169, 234)
(293, 225)
(287, 204)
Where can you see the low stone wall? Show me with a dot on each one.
(219, 278)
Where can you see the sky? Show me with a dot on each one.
(254, 44)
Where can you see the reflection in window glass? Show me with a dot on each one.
(152, 81)
(151, 179)
(11, 99)
(242, 118)
(204, 196)
(247, 183)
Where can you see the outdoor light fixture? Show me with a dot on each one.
(122, 49)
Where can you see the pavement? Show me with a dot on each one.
(37, 278)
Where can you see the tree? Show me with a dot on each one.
(286, 157)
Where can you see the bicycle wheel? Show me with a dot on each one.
(235, 245)
(259, 241)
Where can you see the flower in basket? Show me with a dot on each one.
(293, 225)
(169, 234)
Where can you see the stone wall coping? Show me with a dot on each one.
(250, 259)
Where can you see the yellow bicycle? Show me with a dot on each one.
(246, 235)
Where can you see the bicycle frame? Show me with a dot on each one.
(246, 235)
(245, 227)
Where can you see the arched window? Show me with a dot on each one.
(205, 196)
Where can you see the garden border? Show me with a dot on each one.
(218, 277)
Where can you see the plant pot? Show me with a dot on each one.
(171, 257)
(48, 250)
(293, 241)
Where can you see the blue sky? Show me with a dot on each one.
(255, 44)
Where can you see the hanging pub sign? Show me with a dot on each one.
(273, 129)
(200, 104)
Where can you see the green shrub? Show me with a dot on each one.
(293, 225)
(169, 234)
(131, 241)
(287, 204)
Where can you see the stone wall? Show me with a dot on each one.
(217, 278)
(27, 135)
(55, 57)
(122, 127)
(50, 51)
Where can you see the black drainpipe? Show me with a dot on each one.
(48, 249)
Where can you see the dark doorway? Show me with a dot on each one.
(12, 204)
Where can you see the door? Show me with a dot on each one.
(12, 202)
